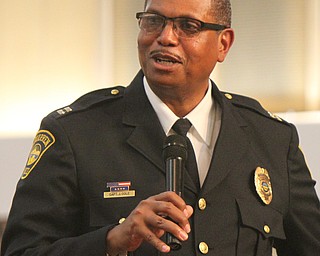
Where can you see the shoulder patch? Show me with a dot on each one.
(41, 143)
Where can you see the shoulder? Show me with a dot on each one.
(250, 105)
(89, 100)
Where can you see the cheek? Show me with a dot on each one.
(202, 58)
(145, 41)
(191, 52)
(140, 41)
(142, 45)
(201, 51)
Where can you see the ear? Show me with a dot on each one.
(226, 39)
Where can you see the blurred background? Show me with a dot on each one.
(52, 52)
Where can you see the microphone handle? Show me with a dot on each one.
(174, 182)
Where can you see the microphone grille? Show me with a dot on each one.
(175, 146)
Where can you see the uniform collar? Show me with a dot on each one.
(201, 117)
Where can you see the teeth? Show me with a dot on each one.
(165, 61)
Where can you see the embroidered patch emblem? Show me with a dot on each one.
(119, 189)
(41, 143)
(263, 185)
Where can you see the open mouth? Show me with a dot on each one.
(165, 61)
(166, 58)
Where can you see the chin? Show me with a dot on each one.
(163, 80)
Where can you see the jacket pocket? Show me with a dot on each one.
(259, 226)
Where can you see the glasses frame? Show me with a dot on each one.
(203, 25)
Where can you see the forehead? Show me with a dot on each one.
(174, 8)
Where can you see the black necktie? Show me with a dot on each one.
(181, 127)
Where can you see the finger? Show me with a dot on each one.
(153, 239)
(188, 211)
(160, 223)
(172, 197)
(167, 209)
(164, 204)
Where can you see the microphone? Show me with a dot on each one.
(174, 155)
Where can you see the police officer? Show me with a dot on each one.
(95, 178)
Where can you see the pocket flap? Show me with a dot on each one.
(268, 221)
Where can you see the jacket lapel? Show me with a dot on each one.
(232, 147)
(147, 136)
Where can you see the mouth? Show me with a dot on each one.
(165, 61)
(166, 58)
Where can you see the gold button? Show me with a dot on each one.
(203, 247)
(202, 204)
(115, 92)
(122, 220)
(228, 96)
(266, 229)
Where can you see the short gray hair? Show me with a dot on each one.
(221, 11)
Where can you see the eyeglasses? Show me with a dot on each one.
(153, 23)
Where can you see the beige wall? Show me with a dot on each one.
(276, 55)
(52, 52)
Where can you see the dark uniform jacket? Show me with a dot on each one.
(92, 162)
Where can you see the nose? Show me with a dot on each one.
(168, 36)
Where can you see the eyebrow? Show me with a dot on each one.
(180, 16)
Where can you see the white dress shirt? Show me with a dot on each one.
(205, 119)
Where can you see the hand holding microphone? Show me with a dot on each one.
(145, 222)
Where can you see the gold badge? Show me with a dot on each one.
(43, 140)
(263, 185)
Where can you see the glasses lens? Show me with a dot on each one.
(151, 23)
(187, 27)
(184, 27)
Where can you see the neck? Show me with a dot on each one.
(181, 102)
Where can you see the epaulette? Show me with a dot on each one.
(251, 104)
(90, 99)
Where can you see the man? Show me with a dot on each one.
(95, 179)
